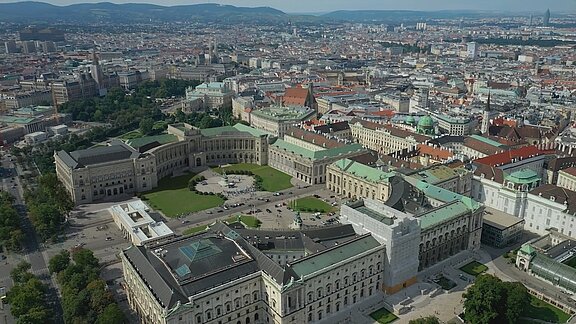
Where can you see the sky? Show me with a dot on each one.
(310, 6)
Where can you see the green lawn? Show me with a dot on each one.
(311, 204)
(194, 230)
(383, 316)
(541, 310)
(446, 283)
(474, 268)
(172, 197)
(131, 135)
(272, 179)
(250, 221)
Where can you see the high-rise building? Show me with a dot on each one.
(546, 19)
(28, 47)
(486, 117)
(472, 50)
(10, 47)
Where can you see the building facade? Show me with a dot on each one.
(120, 169)
(222, 277)
(384, 139)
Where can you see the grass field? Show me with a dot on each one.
(309, 204)
(272, 179)
(383, 316)
(172, 197)
(250, 221)
(194, 230)
(474, 268)
(541, 310)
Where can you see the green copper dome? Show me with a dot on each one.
(410, 120)
(426, 122)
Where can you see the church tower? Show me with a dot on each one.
(486, 117)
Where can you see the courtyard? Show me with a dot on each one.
(173, 198)
(272, 179)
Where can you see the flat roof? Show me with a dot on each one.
(499, 219)
(160, 139)
(316, 155)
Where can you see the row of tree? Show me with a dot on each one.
(27, 297)
(11, 237)
(85, 297)
(165, 88)
(48, 206)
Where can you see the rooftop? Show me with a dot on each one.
(317, 155)
(339, 253)
(499, 219)
(284, 113)
(363, 171)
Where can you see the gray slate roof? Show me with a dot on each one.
(96, 155)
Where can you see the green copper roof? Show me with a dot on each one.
(445, 195)
(254, 131)
(527, 249)
(442, 214)
(142, 141)
(322, 260)
(363, 171)
(426, 122)
(217, 130)
(487, 141)
(232, 129)
(316, 155)
(523, 176)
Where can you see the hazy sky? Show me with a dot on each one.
(331, 5)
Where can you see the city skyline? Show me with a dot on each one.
(321, 6)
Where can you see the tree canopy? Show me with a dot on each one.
(85, 297)
(11, 237)
(492, 301)
(27, 297)
(49, 204)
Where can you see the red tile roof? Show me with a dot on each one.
(435, 153)
(507, 156)
(295, 96)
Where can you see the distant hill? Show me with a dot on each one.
(30, 11)
(402, 15)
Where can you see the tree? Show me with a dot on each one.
(111, 315)
(491, 301)
(85, 258)
(59, 262)
(20, 273)
(146, 126)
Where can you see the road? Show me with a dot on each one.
(203, 217)
(33, 252)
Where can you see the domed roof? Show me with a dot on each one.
(523, 176)
(410, 120)
(426, 122)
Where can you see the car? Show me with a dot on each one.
(276, 194)
(184, 221)
(317, 214)
(109, 238)
(267, 200)
(268, 210)
(219, 211)
(279, 210)
(209, 212)
(312, 219)
(318, 217)
(332, 196)
(316, 196)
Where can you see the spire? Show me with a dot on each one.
(488, 108)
